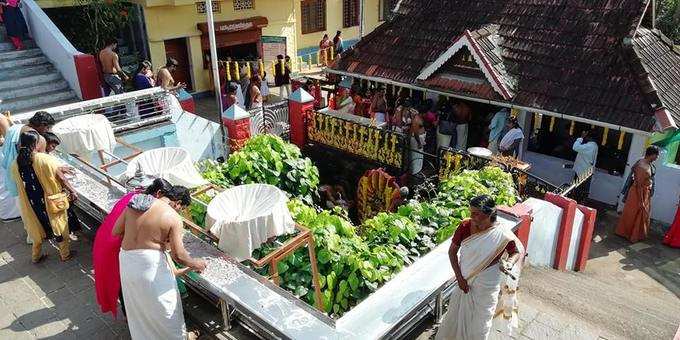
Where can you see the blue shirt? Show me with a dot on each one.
(497, 125)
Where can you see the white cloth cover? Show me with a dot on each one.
(244, 217)
(8, 204)
(470, 315)
(172, 164)
(81, 135)
(152, 300)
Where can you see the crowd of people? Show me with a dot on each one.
(430, 125)
(114, 77)
(136, 247)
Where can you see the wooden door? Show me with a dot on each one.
(177, 49)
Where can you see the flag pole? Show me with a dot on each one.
(215, 69)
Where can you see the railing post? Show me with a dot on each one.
(299, 103)
(237, 121)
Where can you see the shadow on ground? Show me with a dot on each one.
(53, 299)
(650, 256)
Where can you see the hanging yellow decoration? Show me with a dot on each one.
(228, 71)
(605, 134)
(332, 54)
(538, 121)
(552, 124)
(274, 67)
(238, 71)
(571, 128)
(249, 70)
(622, 136)
(260, 67)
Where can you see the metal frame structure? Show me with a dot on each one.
(260, 305)
(304, 237)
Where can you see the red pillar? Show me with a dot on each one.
(299, 103)
(589, 215)
(566, 225)
(237, 121)
(88, 76)
(523, 212)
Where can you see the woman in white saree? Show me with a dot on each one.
(483, 255)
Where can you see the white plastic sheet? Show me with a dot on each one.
(246, 216)
(81, 135)
(172, 164)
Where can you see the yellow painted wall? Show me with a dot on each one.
(170, 22)
(334, 23)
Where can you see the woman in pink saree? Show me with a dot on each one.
(106, 248)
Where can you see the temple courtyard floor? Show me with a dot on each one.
(626, 292)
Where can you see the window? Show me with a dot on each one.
(243, 4)
(313, 16)
(386, 7)
(350, 13)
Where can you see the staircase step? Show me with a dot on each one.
(7, 46)
(34, 52)
(19, 72)
(7, 65)
(30, 80)
(36, 90)
(28, 103)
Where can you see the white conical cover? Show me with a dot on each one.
(81, 135)
(246, 216)
(172, 164)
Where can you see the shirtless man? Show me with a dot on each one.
(164, 78)
(111, 67)
(152, 302)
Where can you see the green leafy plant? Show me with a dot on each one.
(267, 159)
(90, 22)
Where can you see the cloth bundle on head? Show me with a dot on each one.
(510, 137)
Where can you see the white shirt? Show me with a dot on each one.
(586, 156)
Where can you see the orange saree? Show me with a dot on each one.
(635, 219)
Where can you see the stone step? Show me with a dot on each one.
(29, 53)
(7, 46)
(19, 72)
(29, 80)
(44, 100)
(36, 90)
(19, 63)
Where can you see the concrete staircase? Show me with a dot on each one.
(28, 81)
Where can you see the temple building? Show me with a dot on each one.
(246, 30)
(562, 67)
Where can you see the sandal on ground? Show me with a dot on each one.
(70, 256)
(40, 259)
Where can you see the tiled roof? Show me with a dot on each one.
(661, 63)
(565, 56)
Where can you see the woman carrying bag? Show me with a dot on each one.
(44, 195)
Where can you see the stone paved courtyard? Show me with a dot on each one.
(617, 297)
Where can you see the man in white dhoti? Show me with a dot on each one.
(481, 254)
(152, 300)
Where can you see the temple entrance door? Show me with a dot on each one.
(177, 48)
